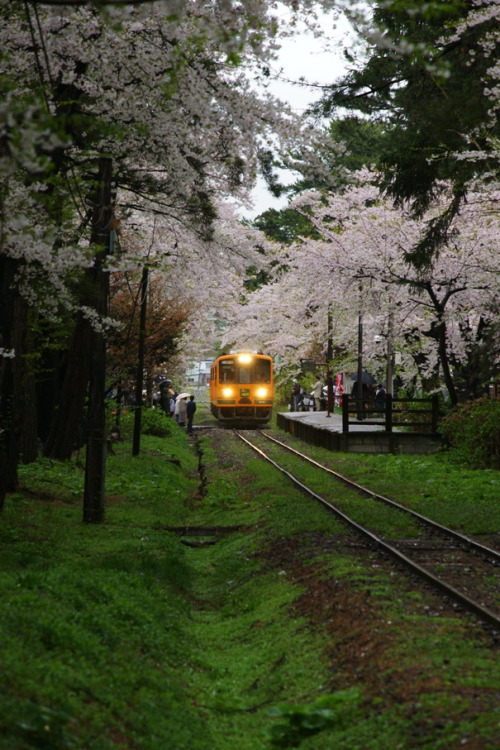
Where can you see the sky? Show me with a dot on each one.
(318, 60)
(308, 57)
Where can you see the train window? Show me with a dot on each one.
(245, 375)
(263, 371)
(255, 372)
(226, 371)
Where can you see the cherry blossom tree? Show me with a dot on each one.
(161, 93)
(159, 90)
(436, 319)
(430, 73)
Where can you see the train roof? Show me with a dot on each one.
(228, 355)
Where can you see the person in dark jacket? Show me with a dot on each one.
(380, 397)
(191, 408)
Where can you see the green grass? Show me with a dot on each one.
(120, 636)
(91, 639)
(433, 485)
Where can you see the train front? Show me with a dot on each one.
(243, 388)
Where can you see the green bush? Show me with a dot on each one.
(293, 724)
(472, 430)
(153, 422)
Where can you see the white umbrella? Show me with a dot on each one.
(184, 395)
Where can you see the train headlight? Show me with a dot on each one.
(262, 392)
(244, 359)
(227, 392)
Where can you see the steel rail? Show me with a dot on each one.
(469, 604)
(465, 540)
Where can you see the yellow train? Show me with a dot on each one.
(241, 388)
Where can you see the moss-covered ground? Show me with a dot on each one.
(261, 625)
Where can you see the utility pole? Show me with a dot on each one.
(95, 463)
(359, 387)
(136, 445)
(390, 354)
(329, 357)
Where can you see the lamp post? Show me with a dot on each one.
(136, 443)
(329, 358)
(359, 388)
(390, 354)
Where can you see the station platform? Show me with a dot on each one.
(316, 428)
(322, 421)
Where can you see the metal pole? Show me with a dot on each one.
(345, 413)
(390, 354)
(359, 389)
(140, 363)
(388, 413)
(328, 391)
(329, 357)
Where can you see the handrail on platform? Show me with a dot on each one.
(351, 405)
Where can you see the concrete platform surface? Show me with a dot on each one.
(333, 423)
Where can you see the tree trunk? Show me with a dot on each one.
(11, 327)
(95, 464)
(442, 335)
(67, 426)
(48, 389)
(25, 391)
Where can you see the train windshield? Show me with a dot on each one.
(262, 372)
(256, 371)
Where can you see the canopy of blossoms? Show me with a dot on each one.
(357, 268)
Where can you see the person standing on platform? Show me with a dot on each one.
(190, 410)
(317, 391)
(380, 397)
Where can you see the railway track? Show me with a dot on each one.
(462, 562)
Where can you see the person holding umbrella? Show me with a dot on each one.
(181, 408)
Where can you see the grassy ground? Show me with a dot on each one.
(127, 635)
